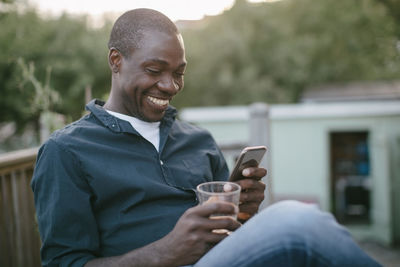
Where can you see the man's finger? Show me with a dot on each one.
(223, 222)
(252, 196)
(254, 173)
(251, 184)
(218, 207)
(243, 216)
(250, 208)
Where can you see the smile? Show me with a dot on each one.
(158, 101)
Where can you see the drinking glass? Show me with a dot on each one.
(219, 191)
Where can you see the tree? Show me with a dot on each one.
(393, 8)
(272, 51)
(76, 54)
(267, 52)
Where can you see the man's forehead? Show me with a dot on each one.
(159, 46)
(154, 33)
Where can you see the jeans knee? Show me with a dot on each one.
(290, 211)
(299, 221)
(288, 233)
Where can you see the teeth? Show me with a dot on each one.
(157, 101)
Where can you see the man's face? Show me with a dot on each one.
(151, 76)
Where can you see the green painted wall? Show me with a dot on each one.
(227, 131)
(300, 163)
(300, 159)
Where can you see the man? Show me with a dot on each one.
(117, 188)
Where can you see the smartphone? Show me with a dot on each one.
(249, 157)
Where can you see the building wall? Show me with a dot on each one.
(299, 152)
(395, 172)
(228, 134)
(300, 166)
(393, 143)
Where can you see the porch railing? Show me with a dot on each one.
(19, 236)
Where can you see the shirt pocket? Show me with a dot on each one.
(188, 173)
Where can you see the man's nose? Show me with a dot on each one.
(168, 84)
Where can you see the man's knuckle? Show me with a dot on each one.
(217, 206)
(193, 238)
(192, 224)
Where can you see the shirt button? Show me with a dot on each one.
(161, 162)
(113, 125)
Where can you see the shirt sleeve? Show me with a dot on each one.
(62, 196)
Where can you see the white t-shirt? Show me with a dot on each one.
(149, 130)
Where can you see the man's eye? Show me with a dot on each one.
(180, 74)
(153, 71)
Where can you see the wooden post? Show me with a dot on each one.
(259, 135)
(88, 94)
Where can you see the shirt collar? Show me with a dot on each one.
(117, 125)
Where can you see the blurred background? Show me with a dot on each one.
(52, 53)
(318, 82)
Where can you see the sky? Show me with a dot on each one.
(174, 9)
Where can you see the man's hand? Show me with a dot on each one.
(252, 192)
(190, 239)
(192, 236)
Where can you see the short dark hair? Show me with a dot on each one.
(129, 28)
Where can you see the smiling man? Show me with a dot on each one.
(117, 187)
(146, 76)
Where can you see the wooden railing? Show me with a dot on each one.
(19, 236)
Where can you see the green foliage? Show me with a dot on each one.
(271, 52)
(44, 97)
(265, 52)
(75, 53)
(393, 8)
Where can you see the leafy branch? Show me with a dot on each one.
(45, 97)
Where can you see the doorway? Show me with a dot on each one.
(350, 177)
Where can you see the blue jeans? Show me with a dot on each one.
(288, 233)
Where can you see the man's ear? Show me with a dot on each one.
(114, 60)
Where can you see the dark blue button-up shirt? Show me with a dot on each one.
(101, 189)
